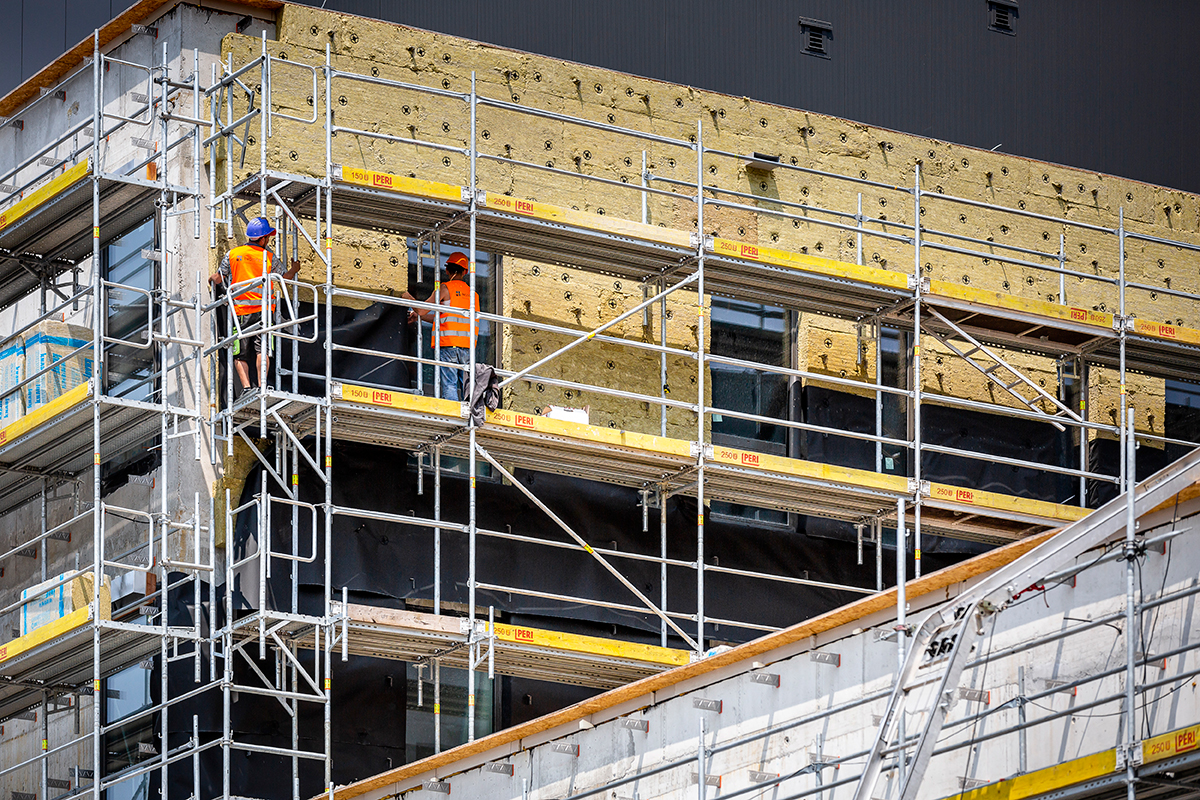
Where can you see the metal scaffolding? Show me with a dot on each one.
(287, 653)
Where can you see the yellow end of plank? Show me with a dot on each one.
(1046, 780)
(402, 184)
(584, 219)
(1008, 302)
(47, 632)
(591, 645)
(44, 414)
(809, 469)
(402, 401)
(1003, 502)
(813, 264)
(49, 190)
(1172, 333)
(590, 433)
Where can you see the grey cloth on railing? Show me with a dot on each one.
(485, 392)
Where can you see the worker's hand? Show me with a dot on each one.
(412, 316)
(295, 265)
(215, 279)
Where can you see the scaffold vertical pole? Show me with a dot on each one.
(662, 564)
(98, 378)
(901, 628)
(473, 463)
(916, 372)
(1131, 615)
(700, 413)
(327, 410)
(1123, 399)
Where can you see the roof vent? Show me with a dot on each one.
(817, 36)
(1002, 16)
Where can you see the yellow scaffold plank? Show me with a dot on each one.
(590, 433)
(1170, 744)
(809, 469)
(402, 184)
(591, 645)
(403, 401)
(1172, 333)
(47, 632)
(1003, 502)
(807, 263)
(585, 219)
(43, 193)
(42, 415)
(1008, 302)
(1046, 780)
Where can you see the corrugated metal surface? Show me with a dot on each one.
(1107, 85)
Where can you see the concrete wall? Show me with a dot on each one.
(848, 660)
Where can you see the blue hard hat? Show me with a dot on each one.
(258, 227)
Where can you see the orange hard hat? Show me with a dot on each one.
(458, 260)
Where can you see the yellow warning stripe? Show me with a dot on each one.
(51, 630)
(1041, 308)
(1004, 502)
(402, 184)
(585, 219)
(591, 645)
(807, 263)
(42, 415)
(591, 433)
(809, 469)
(45, 192)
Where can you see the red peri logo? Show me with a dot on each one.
(381, 398)
(1185, 740)
(749, 250)
(380, 179)
(524, 421)
(524, 635)
(1079, 315)
(750, 459)
(1167, 330)
(964, 495)
(524, 205)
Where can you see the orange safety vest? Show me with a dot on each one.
(455, 330)
(245, 264)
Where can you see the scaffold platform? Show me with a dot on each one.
(56, 440)
(51, 226)
(57, 657)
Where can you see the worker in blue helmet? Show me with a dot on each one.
(240, 265)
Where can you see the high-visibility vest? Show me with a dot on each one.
(455, 330)
(245, 264)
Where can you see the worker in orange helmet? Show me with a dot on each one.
(251, 260)
(453, 333)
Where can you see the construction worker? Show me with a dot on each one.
(251, 260)
(453, 334)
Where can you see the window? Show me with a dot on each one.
(1002, 16)
(129, 367)
(487, 268)
(817, 35)
(419, 730)
(126, 693)
(762, 334)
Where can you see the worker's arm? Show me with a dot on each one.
(427, 315)
(292, 270)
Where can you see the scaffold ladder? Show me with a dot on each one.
(943, 642)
